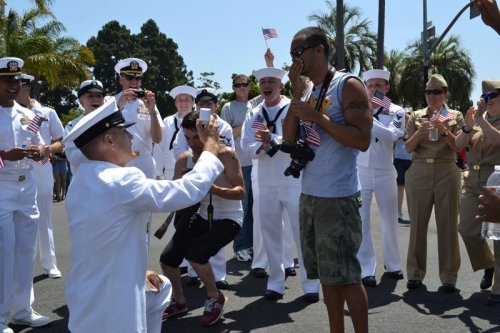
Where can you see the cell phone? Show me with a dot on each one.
(205, 115)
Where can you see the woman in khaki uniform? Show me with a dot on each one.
(478, 132)
(433, 180)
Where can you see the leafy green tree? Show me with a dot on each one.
(166, 68)
(449, 59)
(359, 41)
(393, 63)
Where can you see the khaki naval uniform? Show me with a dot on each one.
(484, 155)
(433, 179)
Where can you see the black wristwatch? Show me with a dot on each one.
(466, 132)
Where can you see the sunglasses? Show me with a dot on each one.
(489, 95)
(241, 85)
(434, 92)
(132, 77)
(296, 52)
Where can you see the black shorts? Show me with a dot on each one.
(195, 241)
(401, 167)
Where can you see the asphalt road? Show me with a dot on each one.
(392, 308)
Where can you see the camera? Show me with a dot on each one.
(300, 153)
(274, 146)
(140, 93)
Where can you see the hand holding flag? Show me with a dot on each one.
(258, 123)
(380, 99)
(269, 33)
(443, 115)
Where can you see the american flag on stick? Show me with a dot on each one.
(269, 33)
(34, 124)
(258, 123)
(44, 160)
(381, 100)
(443, 115)
(2, 164)
(312, 136)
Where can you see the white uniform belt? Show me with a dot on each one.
(14, 178)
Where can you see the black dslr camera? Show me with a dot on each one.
(300, 153)
(140, 93)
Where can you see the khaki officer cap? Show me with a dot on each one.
(490, 85)
(436, 81)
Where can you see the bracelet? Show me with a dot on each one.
(465, 131)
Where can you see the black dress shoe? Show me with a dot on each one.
(405, 222)
(369, 281)
(290, 271)
(259, 273)
(311, 297)
(272, 295)
(396, 275)
(413, 284)
(493, 300)
(192, 281)
(222, 285)
(449, 287)
(487, 279)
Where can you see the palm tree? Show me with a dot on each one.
(449, 59)
(381, 34)
(359, 41)
(59, 60)
(393, 63)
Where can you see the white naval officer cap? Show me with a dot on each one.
(376, 74)
(131, 66)
(10, 67)
(206, 94)
(90, 86)
(269, 72)
(26, 78)
(183, 90)
(103, 118)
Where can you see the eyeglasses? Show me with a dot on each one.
(434, 92)
(241, 85)
(489, 95)
(132, 77)
(296, 52)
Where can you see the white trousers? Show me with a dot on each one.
(156, 304)
(18, 227)
(382, 183)
(44, 180)
(278, 203)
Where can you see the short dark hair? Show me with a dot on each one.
(189, 120)
(315, 36)
(239, 76)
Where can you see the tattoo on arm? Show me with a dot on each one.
(356, 105)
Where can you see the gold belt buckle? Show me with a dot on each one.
(429, 160)
(136, 153)
(21, 178)
(476, 167)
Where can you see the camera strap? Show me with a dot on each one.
(273, 122)
(324, 87)
(210, 213)
(175, 134)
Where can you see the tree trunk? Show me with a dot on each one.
(340, 35)
(381, 34)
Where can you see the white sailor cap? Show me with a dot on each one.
(269, 72)
(183, 90)
(10, 66)
(376, 74)
(206, 94)
(131, 66)
(90, 86)
(26, 78)
(97, 122)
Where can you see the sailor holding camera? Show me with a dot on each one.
(139, 106)
(278, 194)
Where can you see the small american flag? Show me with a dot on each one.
(2, 164)
(44, 160)
(34, 124)
(312, 136)
(443, 115)
(258, 123)
(269, 33)
(381, 100)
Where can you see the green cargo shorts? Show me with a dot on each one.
(331, 234)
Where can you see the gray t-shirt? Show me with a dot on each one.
(234, 113)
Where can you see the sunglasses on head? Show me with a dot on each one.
(241, 85)
(132, 77)
(434, 92)
(296, 52)
(489, 95)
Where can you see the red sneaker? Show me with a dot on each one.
(214, 307)
(174, 309)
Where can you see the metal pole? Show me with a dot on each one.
(425, 46)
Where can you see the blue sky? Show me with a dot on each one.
(225, 37)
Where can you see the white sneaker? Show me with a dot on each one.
(243, 255)
(35, 320)
(5, 329)
(54, 273)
